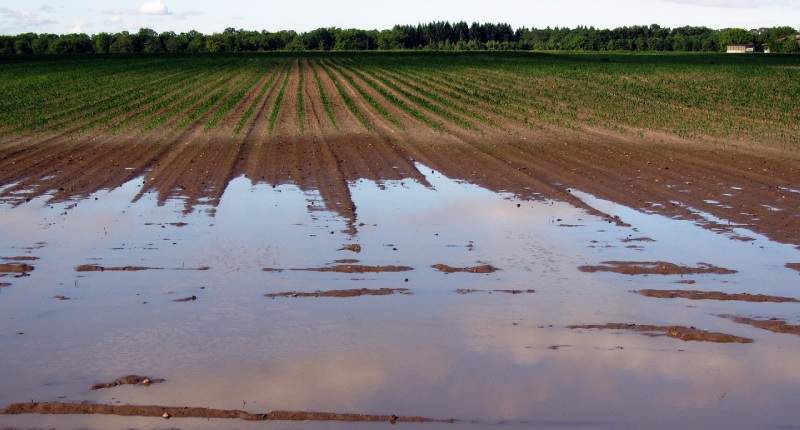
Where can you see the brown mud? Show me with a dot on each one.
(96, 268)
(793, 266)
(776, 325)
(356, 292)
(715, 295)
(655, 268)
(471, 291)
(189, 412)
(677, 332)
(15, 268)
(128, 380)
(355, 268)
(20, 258)
(484, 268)
(744, 184)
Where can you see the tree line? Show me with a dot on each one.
(439, 35)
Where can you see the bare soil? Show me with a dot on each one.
(356, 292)
(86, 408)
(654, 268)
(355, 268)
(776, 325)
(15, 268)
(677, 332)
(793, 266)
(471, 291)
(128, 380)
(96, 268)
(715, 295)
(484, 268)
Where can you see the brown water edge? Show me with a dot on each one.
(15, 268)
(355, 292)
(658, 173)
(793, 266)
(714, 295)
(98, 268)
(678, 332)
(354, 268)
(776, 325)
(471, 291)
(485, 268)
(654, 268)
(128, 380)
(86, 408)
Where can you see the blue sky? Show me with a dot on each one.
(209, 16)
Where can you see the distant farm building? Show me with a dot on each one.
(741, 48)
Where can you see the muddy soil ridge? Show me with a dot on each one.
(678, 332)
(354, 292)
(715, 295)
(86, 408)
(652, 171)
(654, 268)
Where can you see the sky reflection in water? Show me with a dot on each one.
(485, 356)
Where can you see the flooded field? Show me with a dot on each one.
(431, 241)
(231, 304)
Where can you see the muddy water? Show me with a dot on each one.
(487, 357)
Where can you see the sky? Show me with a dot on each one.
(213, 16)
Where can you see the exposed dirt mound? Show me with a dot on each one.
(354, 268)
(343, 293)
(677, 332)
(20, 258)
(127, 380)
(188, 412)
(714, 295)
(776, 325)
(484, 268)
(471, 291)
(15, 268)
(793, 266)
(654, 268)
(96, 268)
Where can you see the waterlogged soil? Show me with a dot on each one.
(715, 295)
(423, 348)
(654, 268)
(776, 325)
(168, 412)
(356, 268)
(343, 293)
(677, 332)
(128, 380)
(483, 268)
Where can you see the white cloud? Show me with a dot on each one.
(187, 14)
(114, 19)
(154, 8)
(21, 21)
(77, 28)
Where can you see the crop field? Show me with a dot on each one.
(752, 99)
(426, 238)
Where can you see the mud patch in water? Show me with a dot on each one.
(654, 268)
(776, 325)
(715, 295)
(353, 268)
(188, 412)
(343, 293)
(677, 332)
(128, 380)
(484, 268)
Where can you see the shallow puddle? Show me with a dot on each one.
(488, 358)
